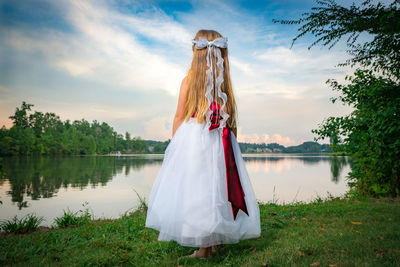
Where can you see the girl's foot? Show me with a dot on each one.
(201, 253)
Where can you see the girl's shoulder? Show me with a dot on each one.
(184, 86)
(184, 83)
(183, 91)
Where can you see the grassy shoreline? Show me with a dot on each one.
(331, 232)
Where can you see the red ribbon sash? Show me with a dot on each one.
(235, 190)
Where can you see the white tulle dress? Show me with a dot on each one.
(189, 200)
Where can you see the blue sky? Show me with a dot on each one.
(122, 62)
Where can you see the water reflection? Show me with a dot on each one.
(281, 162)
(47, 185)
(42, 177)
(337, 164)
(297, 177)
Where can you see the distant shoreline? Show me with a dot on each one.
(243, 153)
(162, 153)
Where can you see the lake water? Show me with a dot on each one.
(49, 185)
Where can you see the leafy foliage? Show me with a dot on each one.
(330, 22)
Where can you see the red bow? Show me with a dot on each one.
(215, 117)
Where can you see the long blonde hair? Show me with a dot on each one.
(196, 81)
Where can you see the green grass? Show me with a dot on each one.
(345, 232)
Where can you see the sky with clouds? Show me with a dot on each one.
(122, 62)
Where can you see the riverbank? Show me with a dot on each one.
(331, 232)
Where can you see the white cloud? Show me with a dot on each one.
(282, 56)
(244, 67)
(158, 128)
(264, 138)
(106, 51)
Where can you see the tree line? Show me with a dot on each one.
(38, 133)
(306, 147)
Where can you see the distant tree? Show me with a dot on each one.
(139, 145)
(37, 122)
(82, 126)
(7, 146)
(128, 141)
(306, 147)
(21, 117)
(160, 147)
(120, 142)
(127, 136)
(273, 146)
(88, 145)
(23, 140)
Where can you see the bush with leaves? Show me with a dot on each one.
(371, 132)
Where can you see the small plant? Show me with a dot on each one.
(274, 199)
(142, 203)
(26, 224)
(318, 200)
(74, 218)
(331, 197)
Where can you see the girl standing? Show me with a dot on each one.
(202, 196)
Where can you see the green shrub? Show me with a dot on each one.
(73, 218)
(28, 223)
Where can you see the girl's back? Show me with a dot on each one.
(202, 195)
